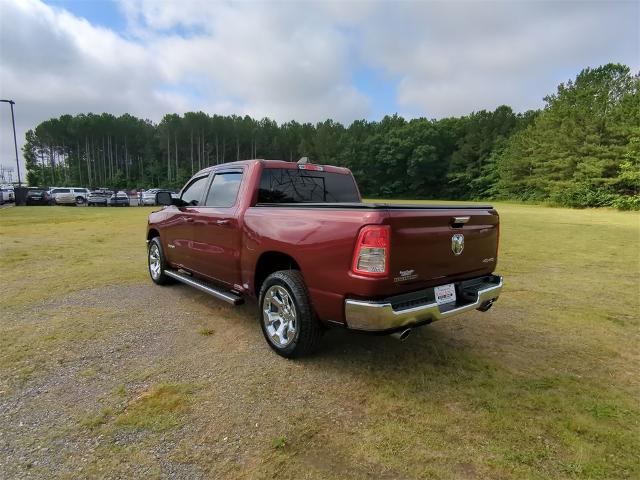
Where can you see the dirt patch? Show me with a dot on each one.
(235, 396)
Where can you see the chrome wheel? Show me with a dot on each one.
(155, 265)
(279, 316)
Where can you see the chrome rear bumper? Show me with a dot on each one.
(420, 307)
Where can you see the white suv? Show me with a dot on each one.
(80, 193)
(6, 195)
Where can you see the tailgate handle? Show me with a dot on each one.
(459, 221)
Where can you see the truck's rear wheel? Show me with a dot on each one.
(157, 262)
(286, 316)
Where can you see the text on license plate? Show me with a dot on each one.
(445, 293)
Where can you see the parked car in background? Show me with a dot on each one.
(6, 195)
(53, 191)
(149, 196)
(120, 199)
(99, 197)
(66, 198)
(37, 196)
(80, 194)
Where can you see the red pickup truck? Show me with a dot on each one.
(297, 237)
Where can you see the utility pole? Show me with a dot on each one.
(15, 142)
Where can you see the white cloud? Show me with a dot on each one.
(298, 59)
(54, 63)
(456, 57)
(272, 61)
(262, 60)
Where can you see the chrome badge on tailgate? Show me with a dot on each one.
(457, 243)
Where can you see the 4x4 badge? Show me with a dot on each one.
(457, 243)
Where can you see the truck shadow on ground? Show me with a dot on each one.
(433, 345)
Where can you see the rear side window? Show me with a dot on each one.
(287, 185)
(224, 189)
(192, 195)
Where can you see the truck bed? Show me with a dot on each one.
(377, 206)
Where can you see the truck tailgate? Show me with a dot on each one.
(422, 250)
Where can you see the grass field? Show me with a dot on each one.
(104, 374)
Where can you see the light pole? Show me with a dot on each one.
(15, 142)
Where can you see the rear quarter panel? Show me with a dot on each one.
(320, 240)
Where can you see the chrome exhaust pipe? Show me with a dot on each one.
(486, 306)
(402, 334)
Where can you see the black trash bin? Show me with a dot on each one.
(20, 194)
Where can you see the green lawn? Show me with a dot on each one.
(544, 385)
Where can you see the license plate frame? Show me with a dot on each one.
(445, 294)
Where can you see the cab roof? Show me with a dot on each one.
(272, 164)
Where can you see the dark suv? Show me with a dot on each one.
(37, 196)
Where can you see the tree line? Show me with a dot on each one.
(582, 149)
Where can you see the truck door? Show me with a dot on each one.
(216, 234)
(178, 230)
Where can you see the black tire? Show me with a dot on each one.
(79, 201)
(308, 328)
(160, 278)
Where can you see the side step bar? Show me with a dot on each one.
(226, 296)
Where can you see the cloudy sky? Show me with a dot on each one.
(299, 60)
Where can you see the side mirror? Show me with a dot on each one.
(164, 198)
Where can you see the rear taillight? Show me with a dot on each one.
(371, 256)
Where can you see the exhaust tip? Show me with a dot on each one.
(486, 306)
(402, 334)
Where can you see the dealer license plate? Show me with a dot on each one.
(445, 293)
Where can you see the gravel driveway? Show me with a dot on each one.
(245, 405)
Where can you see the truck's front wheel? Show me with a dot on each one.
(287, 318)
(157, 262)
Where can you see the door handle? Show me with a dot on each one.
(188, 219)
(224, 221)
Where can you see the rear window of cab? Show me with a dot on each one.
(289, 185)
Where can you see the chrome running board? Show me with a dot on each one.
(220, 294)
